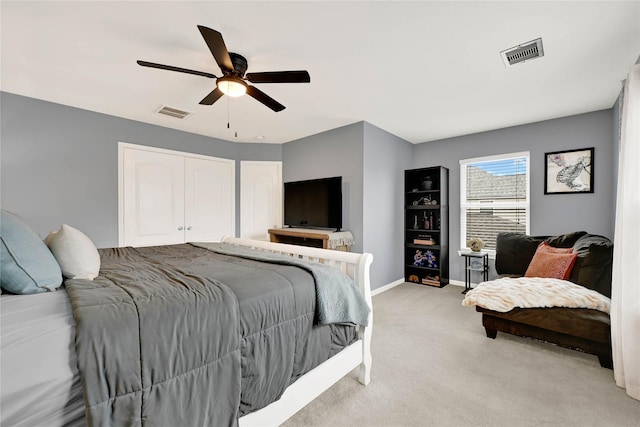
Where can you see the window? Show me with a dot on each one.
(494, 197)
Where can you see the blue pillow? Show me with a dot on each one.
(27, 265)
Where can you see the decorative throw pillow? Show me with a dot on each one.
(75, 252)
(27, 266)
(551, 262)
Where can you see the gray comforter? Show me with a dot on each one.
(181, 336)
(338, 300)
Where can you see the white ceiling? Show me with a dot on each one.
(420, 70)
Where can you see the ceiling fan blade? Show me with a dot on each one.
(212, 97)
(301, 76)
(178, 69)
(260, 96)
(217, 47)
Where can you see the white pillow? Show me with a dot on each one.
(75, 252)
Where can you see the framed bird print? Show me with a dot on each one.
(568, 172)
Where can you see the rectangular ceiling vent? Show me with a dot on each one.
(523, 52)
(173, 112)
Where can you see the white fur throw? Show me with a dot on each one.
(529, 292)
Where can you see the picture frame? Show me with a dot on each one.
(569, 171)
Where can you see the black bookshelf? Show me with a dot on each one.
(426, 219)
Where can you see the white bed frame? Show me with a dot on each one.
(358, 354)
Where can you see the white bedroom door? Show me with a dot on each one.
(260, 198)
(169, 197)
(153, 198)
(209, 196)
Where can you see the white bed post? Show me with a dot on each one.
(365, 333)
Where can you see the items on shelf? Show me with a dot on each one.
(428, 221)
(426, 280)
(426, 259)
(427, 183)
(423, 239)
(431, 280)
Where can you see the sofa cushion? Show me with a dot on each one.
(514, 252)
(565, 240)
(593, 264)
(555, 263)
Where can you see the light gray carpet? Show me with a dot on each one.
(434, 366)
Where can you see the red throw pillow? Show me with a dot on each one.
(548, 261)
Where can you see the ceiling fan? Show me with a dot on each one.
(233, 79)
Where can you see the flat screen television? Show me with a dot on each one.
(315, 203)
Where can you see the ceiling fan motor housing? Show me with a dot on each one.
(239, 64)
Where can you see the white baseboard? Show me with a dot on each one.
(384, 288)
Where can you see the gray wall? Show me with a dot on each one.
(386, 157)
(60, 164)
(371, 162)
(550, 214)
(337, 152)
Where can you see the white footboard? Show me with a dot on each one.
(358, 354)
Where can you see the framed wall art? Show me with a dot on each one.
(568, 172)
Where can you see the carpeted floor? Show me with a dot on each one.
(434, 366)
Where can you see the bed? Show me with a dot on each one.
(246, 345)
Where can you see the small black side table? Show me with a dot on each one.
(469, 266)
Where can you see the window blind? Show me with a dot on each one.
(494, 197)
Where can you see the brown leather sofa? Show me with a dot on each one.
(577, 328)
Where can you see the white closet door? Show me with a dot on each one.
(153, 198)
(209, 199)
(260, 198)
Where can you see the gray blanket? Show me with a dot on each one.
(182, 336)
(338, 300)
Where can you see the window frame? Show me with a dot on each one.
(464, 205)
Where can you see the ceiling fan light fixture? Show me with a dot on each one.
(232, 86)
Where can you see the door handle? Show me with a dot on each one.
(180, 228)
(189, 228)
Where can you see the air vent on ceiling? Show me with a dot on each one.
(173, 112)
(523, 52)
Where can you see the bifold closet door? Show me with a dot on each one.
(209, 199)
(153, 197)
(169, 197)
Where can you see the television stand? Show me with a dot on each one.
(326, 239)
